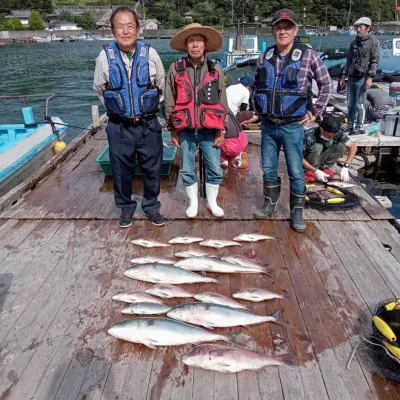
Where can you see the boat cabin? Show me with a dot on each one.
(390, 55)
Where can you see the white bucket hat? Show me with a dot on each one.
(363, 21)
(213, 37)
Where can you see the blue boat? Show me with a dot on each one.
(20, 143)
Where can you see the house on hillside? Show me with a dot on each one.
(189, 16)
(150, 24)
(22, 15)
(58, 25)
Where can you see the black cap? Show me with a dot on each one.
(284, 14)
(331, 123)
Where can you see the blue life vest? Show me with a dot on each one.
(125, 97)
(279, 95)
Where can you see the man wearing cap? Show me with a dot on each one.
(361, 65)
(324, 146)
(196, 110)
(283, 100)
(129, 80)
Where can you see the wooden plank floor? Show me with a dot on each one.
(62, 257)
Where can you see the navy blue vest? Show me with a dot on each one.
(279, 96)
(129, 97)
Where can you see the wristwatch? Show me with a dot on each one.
(346, 165)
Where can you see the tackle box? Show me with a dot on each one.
(169, 153)
(392, 122)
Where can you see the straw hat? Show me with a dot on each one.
(214, 38)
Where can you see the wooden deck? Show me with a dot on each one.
(62, 257)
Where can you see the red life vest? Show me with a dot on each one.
(203, 110)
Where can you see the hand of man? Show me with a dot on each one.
(344, 174)
(368, 83)
(321, 176)
(342, 82)
(219, 139)
(309, 117)
(175, 138)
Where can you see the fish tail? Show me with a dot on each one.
(267, 273)
(285, 359)
(275, 318)
(286, 297)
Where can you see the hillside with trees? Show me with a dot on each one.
(219, 12)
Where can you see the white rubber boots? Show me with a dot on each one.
(192, 194)
(211, 193)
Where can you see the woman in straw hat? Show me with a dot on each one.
(195, 107)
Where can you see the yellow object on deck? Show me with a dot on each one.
(60, 146)
(384, 329)
(335, 200)
(393, 349)
(393, 305)
(333, 190)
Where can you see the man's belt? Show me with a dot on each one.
(280, 121)
(137, 120)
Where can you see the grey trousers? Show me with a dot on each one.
(320, 158)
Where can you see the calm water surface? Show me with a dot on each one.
(66, 69)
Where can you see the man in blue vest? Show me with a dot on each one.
(283, 101)
(129, 80)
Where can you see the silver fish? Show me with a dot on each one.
(185, 240)
(245, 262)
(167, 291)
(340, 184)
(146, 308)
(216, 298)
(153, 332)
(257, 294)
(217, 316)
(251, 237)
(162, 273)
(148, 243)
(218, 244)
(136, 297)
(228, 359)
(151, 259)
(192, 253)
(215, 265)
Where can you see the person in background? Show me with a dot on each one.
(232, 150)
(129, 80)
(196, 111)
(377, 104)
(283, 100)
(324, 146)
(361, 65)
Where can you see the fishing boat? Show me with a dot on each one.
(19, 143)
(241, 48)
(390, 55)
(48, 38)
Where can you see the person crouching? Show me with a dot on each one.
(195, 110)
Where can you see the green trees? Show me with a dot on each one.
(35, 22)
(86, 21)
(13, 24)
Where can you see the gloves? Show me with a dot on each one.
(321, 175)
(344, 174)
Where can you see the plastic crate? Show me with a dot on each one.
(169, 153)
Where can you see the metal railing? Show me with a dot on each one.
(23, 98)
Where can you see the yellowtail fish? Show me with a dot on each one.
(218, 244)
(252, 237)
(185, 240)
(216, 298)
(148, 243)
(136, 297)
(257, 294)
(167, 291)
(146, 308)
(192, 253)
(151, 259)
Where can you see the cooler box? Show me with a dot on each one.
(394, 91)
(392, 122)
(169, 153)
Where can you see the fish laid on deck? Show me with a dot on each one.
(192, 253)
(136, 297)
(245, 262)
(153, 332)
(185, 240)
(252, 237)
(146, 308)
(162, 273)
(218, 244)
(228, 359)
(151, 259)
(167, 291)
(257, 294)
(216, 265)
(148, 243)
(217, 316)
(216, 298)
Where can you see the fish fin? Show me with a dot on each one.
(203, 273)
(268, 273)
(286, 359)
(276, 316)
(151, 346)
(232, 336)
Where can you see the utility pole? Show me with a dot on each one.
(144, 20)
(232, 12)
(348, 15)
